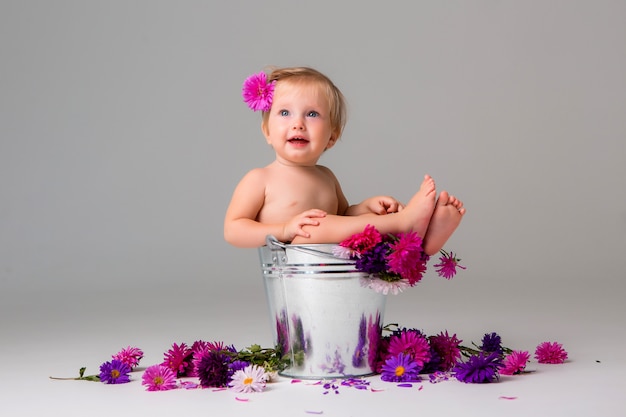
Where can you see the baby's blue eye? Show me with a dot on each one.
(284, 112)
(313, 114)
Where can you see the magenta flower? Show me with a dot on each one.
(364, 241)
(158, 378)
(114, 372)
(515, 362)
(130, 356)
(411, 343)
(257, 92)
(447, 265)
(178, 359)
(400, 368)
(447, 348)
(407, 258)
(550, 352)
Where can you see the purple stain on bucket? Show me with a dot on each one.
(282, 331)
(359, 351)
(374, 334)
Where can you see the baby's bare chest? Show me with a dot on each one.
(291, 195)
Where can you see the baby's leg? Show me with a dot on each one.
(447, 215)
(415, 217)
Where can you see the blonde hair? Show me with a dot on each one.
(336, 100)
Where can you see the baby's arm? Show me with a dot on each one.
(379, 205)
(240, 225)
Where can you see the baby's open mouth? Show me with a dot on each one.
(297, 140)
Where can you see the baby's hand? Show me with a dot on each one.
(293, 228)
(383, 204)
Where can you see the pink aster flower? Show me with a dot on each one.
(250, 379)
(364, 241)
(410, 342)
(178, 359)
(550, 352)
(515, 362)
(407, 257)
(158, 378)
(257, 92)
(130, 356)
(447, 265)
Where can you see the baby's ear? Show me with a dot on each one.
(266, 131)
(331, 142)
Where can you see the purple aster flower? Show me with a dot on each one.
(447, 265)
(400, 368)
(114, 372)
(481, 368)
(373, 261)
(492, 343)
(158, 378)
(257, 92)
(213, 369)
(235, 366)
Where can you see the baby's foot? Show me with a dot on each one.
(420, 208)
(445, 219)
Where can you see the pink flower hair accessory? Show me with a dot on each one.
(258, 92)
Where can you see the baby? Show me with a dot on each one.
(300, 202)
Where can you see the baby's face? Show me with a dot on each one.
(298, 126)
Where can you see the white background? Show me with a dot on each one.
(123, 134)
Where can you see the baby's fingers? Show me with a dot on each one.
(314, 213)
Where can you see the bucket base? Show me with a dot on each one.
(325, 321)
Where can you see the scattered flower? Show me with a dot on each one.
(257, 92)
(213, 369)
(492, 342)
(178, 359)
(514, 363)
(252, 378)
(478, 369)
(400, 368)
(550, 352)
(114, 372)
(159, 378)
(412, 343)
(447, 265)
(447, 350)
(439, 376)
(130, 356)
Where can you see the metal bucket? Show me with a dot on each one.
(325, 321)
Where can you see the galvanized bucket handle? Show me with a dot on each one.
(279, 250)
